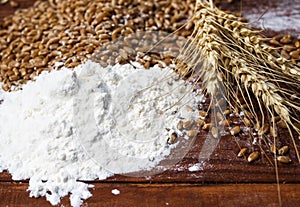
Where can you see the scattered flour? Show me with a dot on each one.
(277, 16)
(88, 124)
(115, 192)
(196, 167)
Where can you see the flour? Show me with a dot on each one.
(115, 192)
(196, 167)
(276, 16)
(90, 123)
(132, 109)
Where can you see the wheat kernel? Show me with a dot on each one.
(286, 39)
(172, 139)
(192, 133)
(220, 117)
(273, 149)
(245, 106)
(13, 4)
(188, 124)
(206, 126)
(248, 114)
(215, 132)
(202, 114)
(226, 123)
(200, 122)
(180, 125)
(274, 42)
(284, 159)
(283, 150)
(247, 122)
(242, 152)
(288, 48)
(264, 129)
(295, 54)
(235, 130)
(227, 112)
(273, 131)
(253, 156)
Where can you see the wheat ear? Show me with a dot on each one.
(224, 52)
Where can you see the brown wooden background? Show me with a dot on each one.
(224, 181)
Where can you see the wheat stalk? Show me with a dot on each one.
(224, 52)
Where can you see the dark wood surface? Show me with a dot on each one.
(225, 180)
(152, 195)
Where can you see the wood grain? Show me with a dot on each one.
(222, 167)
(214, 185)
(188, 195)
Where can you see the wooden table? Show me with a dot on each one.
(225, 180)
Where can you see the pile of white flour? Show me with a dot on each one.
(89, 123)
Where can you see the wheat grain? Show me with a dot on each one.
(242, 152)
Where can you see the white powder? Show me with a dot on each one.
(132, 109)
(196, 167)
(88, 124)
(276, 15)
(115, 192)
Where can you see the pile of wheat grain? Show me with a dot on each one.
(36, 38)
